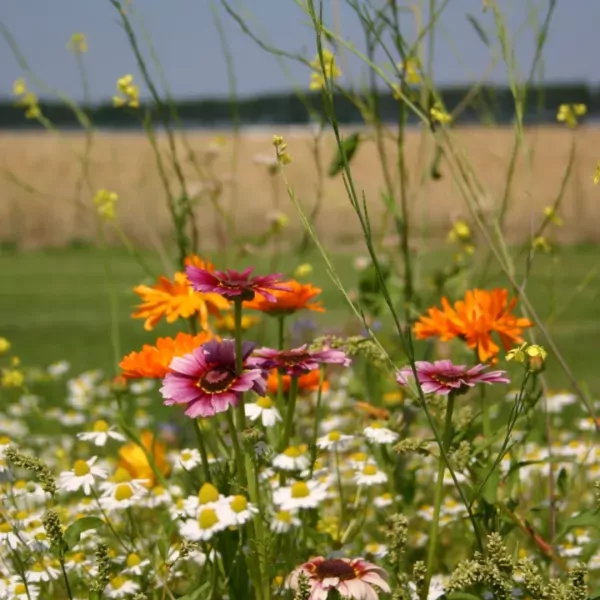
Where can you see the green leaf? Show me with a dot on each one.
(562, 481)
(588, 518)
(490, 489)
(479, 29)
(197, 594)
(349, 146)
(74, 531)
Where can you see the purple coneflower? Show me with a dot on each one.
(443, 377)
(206, 379)
(235, 284)
(297, 361)
(350, 578)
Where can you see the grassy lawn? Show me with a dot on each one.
(55, 305)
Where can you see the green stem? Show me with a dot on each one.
(237, 315)
(289, 415)
(340, 491)
(64, 573)
(202, 448)
(439, 492)
(316, 421)
(280, 343)
(237, 451)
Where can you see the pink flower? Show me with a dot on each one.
(297, 361)
(351, 578)
(443, 377)
(233, 284)
(206, 379)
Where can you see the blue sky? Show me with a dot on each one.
(188, 45)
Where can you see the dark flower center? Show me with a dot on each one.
(293, 358)
(335, 568)
(217, 380)
(445, 379)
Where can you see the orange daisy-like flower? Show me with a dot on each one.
(134, 460)
(306, 383)
(154, 361)
(298, 298)
(175, 299)
(474, 319)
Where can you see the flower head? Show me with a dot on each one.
(176, 299)
(309, 382)
(134, 458)
(78, 43)
(206, 379)
(154, 361)
(297, 297)
(569, 113)
(351, 578)
(474, 319)
(297, 361)
(323, 71)
(130, 93)
(81, 477)
(442, 377)
(235, 284)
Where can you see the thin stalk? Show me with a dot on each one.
(340, 489)
(485, 413)
(61, 560)
(237, 451)
(202, 449)
(316, 421)
(237, 315)
(289, 415)
(280, 343)
(439, 492)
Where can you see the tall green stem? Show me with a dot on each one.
(237, 450)
(289, 415)
(202, 448)
(237, 315)
(439, 492)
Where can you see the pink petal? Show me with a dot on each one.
(202, 408)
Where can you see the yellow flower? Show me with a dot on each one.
(323, 72)
(569, 113)
(410, 70)
(550, 212)
(517, 354)
(460, 232)
(440, 115)
(226, 322)
(12, 378)
(19, 87)
(105, 203)
(131, 92)
(533, 356)
(303, 270)
(4, 345)
(597, 173)
(78, 43)
(541, 243)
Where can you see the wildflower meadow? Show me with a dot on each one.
(245, 410)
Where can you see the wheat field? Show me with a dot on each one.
(46, 201)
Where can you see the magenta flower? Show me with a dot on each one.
(206, 379)
(297, 361)
(442, 377)
(350, 578)
(233, 284)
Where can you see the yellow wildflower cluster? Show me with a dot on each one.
(551, 214)
(105, 203)
(27, 99)
(319, 77)
(439, 115)
(12, 378)
(461, 234)
(410, 69)
(130, 91)
(77, 43)
(4, 345)
(570, 113)
(532, 356)
(283, 157)
(303, 270)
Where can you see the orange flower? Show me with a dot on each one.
(195, 261)
(175, 299)
(307, 383)
(288, 302)
(373, 411)
(474, 319)
(135, 462)
(154, 361)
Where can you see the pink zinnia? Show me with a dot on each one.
(351, 578)
(233, 284)
(206, 379)
(443, 377)
(297, 361)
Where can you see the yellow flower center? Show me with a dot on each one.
(117, 582)
(238, 504)
(21, 515)
(359, 457)
(369, 470)
(100, 426)
(208, 493)
(20, 588)
(123, 492)
(386, 496)
(78, 557)
(376, 425)
(38, 567)
(264, 402)
(158, 490)
(207, 518)
(186, 455)
(20, 485)
(284, 515)
(41, 536)
(300, 490)
(122, 475)
(5, 527)
(133, 560)
(4, 440)
(292, 452)
(81, 468)
(334, 436)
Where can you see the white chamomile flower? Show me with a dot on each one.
(142, 387)
(379, 434)
(81, 477)
(302, 494)
(188, 459)
(426, 512)
(121, 496)
(17, 590)
(284, 521)
(142, 418)
(436, 588)
(556, 402)
(100, 434)
(208, 496)
(134, 565)
(121, 587)
(9, 536)
(370, 475)
(72, 418)
(263, 408)
(240, 509)
(376, 550)
(452, 508)
(208, 523)
(358, 460)
(59, 368)
(43, 570)
(291, 459)
(334, 440)
(384, 500)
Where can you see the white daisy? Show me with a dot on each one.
(379, 434)
(121, 587)
(11, 536)
(134, 565)
(376, 550)
(370, 475)
(72, 418)
(263, 408)
(291, 459)
(100, 434)
(384, 500)
(359, 460)
(556, 402)
(82, 476)
(284, 521)
(334, 440)
(142, 387)
(187, 459)
(59, 368)
(302, 494)
(43, 571)
(208, 523)
(17, 590)
(241, 510)
(122, 495)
